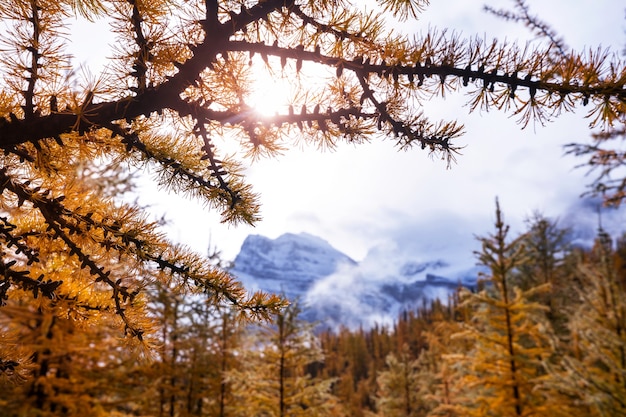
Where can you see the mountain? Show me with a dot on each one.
(338, 291)
(288, 265)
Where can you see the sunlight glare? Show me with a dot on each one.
(271, 93)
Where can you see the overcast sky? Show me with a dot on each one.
(415, 204)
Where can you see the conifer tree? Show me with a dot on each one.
(605, 154)
(355, 384)
(403, 386)
(549, 261)
(443, 364)
(185, 376)
(347, 360)
(63, 378)
(64, 352)
(594, 373)
(510, 334)
(170, 368)
(275, 380)
(180, 78)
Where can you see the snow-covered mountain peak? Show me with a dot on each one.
(288, 264)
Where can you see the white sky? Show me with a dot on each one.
(414, 204)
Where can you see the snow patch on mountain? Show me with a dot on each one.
(378, 289)
(337, 291)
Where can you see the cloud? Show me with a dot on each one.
(377, 289)
(442, 244)
(585, 216)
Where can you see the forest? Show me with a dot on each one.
(544, 333)
(104, 314)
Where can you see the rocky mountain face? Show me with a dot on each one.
(338, 291)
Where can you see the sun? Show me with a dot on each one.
(270, 97)
(271, 92)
